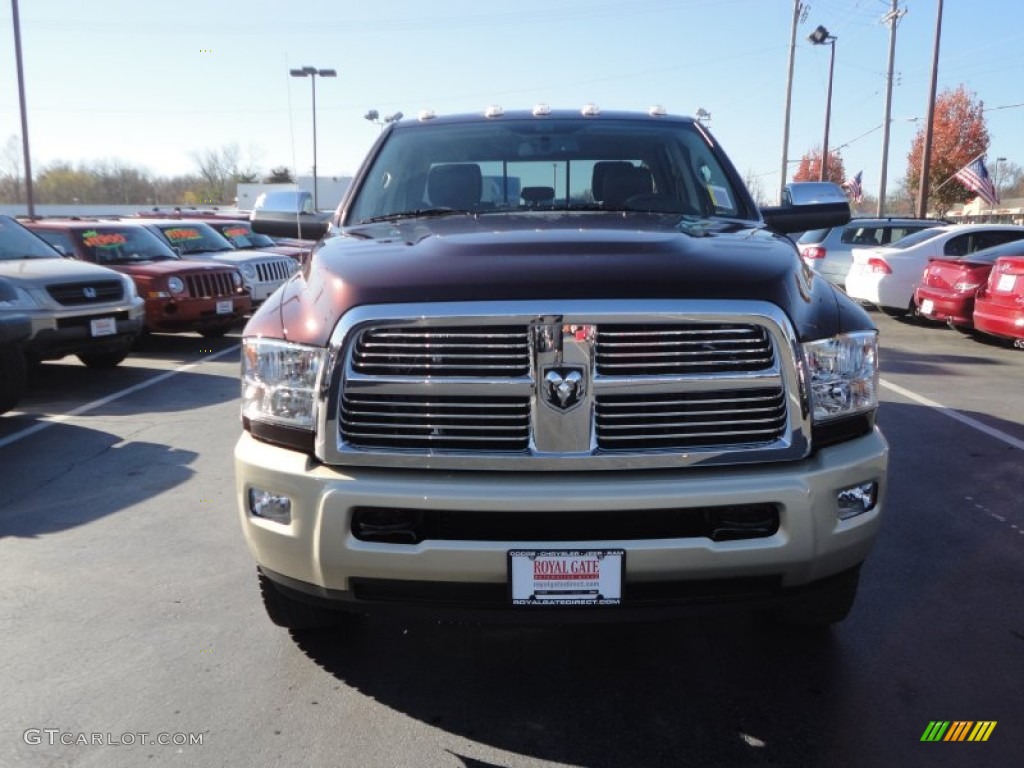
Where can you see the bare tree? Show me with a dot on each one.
(221, 169)
(11, 170)
(756, 187)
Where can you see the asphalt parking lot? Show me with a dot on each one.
(128, 604)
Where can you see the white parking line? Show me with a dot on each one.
(954, 414)
(49, 421)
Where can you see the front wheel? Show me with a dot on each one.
(103, 359)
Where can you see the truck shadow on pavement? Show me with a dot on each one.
(57, 486)
(710, 691)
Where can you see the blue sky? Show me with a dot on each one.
(150, 83)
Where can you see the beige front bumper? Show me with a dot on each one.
(317, 547)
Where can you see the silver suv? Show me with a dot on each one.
(75, 308)
(829, 252)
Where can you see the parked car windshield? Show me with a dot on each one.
(194, 237)
(915, 238)
(16, 242)
(122, 245)
(516, 164)
(241, 235)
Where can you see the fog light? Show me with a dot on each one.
(857, 499)
(270, 506)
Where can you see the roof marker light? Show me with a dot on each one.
(494, 111)
(657, 111)
(590, 109)
(541, 110)
(427, 114)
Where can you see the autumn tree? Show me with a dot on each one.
(959, 135)
(810, 167)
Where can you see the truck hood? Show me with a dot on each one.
(548, 256)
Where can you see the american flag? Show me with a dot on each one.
(853, 186)
(974, 176)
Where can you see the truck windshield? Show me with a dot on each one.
(553, 164)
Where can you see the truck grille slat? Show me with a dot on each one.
(443, 351)
(455, 423)
(621, 421)
(689, 348)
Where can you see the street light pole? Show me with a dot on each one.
(24, 111)
(312, 73)
(820, 36)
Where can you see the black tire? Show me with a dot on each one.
(13, 376)
(289, 613)
(103, 359)
(827, 604)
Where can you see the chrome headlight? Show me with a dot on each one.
(248, 271)
(13, 297)
(279, 380)
(842, 374)
(236, 279)
(175, 285)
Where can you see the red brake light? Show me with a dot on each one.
(813, 252)
(878, 265)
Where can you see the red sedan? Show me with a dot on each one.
(949, 285)
(999, 308)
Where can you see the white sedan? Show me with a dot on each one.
(887, 276)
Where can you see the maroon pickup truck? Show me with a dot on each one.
(558, 365)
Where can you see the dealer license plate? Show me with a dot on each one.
(1006, 283)
(927, 306)
(225, 307)
(566, 577)
(103, 326)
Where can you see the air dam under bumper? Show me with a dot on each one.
(318, 554)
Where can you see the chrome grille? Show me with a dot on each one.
(435, 422)
(95, 292)
(210, 284)
(688, 419)
(274, 271)
(644, 350)
(490, 351)
(563, 386)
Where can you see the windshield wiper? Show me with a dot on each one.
(419, 213)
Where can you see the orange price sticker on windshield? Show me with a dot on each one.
(236, 232)
(94, 239)
(182, 233)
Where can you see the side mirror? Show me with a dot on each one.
(808, 205)
(61, 250)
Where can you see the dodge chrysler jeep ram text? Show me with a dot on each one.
(558, 363)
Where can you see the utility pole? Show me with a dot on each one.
(797, 8)
(922, 193)
(892, 18)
